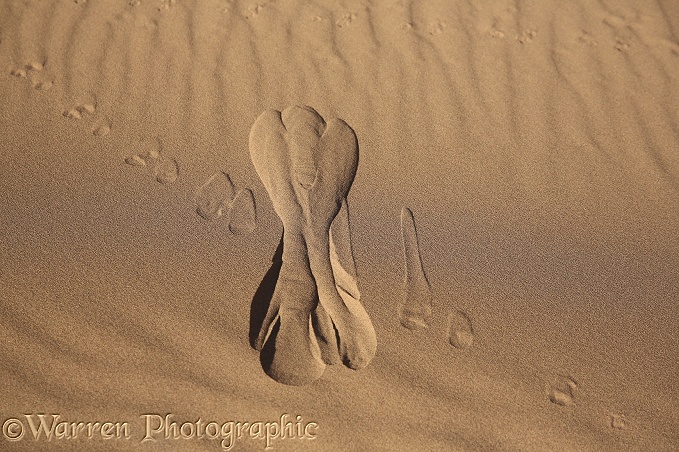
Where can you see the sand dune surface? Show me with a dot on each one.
(511, 257)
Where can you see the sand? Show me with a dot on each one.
(516, 193)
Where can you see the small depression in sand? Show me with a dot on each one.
(460, 330)
(215, 196)
(165, 170)
(243, 213)
(562, 391)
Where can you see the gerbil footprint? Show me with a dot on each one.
(81, 111)
(617, 421)
(166, 170)
(147, 152)
(33, 66)
(42, 85)
(345, 20)
(101, 128)
(18, 72)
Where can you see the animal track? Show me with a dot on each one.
(415, 311)
(617, 421)
(215, 196)
(164, 169)
(346, 20)
(19, 72)
(253, 11)
(101, 128)
(495, 33)
(588, 39)
(622, 44)
(42, 85)
(460, 330)
(624, 28)
(243, 214)
(31, 71)
(437, 27)
(165, 5)
(527, 36)
(562, 392)
(89, 108)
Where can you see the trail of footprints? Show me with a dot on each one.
(101, 125)
(214, 198)
(416, 309)
(33, 72)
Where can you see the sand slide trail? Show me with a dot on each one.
(307, 167)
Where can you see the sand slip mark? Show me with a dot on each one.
(215, 196)
(307, 167)
(264, 314)
(344, 268)
(415, 311)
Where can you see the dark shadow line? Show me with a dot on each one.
(262, 298)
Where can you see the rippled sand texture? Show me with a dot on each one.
(535, 144)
